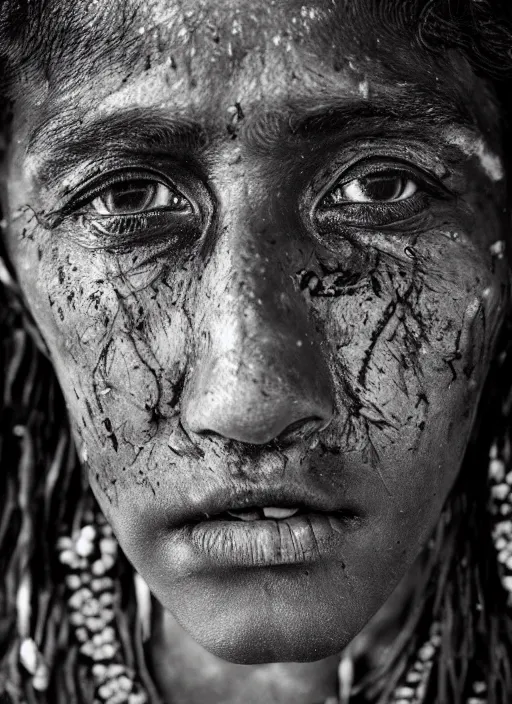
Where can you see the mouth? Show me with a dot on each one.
(252, 531)
(276, 513)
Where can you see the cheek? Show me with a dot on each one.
(118, 345)
(409, 351)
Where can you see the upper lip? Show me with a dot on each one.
(220, 500)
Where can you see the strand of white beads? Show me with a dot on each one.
(88, 559)
(413, 690)
(30, 656)
(501, 511)
(479, 693)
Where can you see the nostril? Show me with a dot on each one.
(302, 429)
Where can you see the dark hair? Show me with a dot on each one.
(43, 494)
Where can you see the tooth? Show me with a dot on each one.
(278, 513)
(245, 515)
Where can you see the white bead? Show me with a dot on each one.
(87, 649)
(84, 547)
(118, 697)
(140, 698)
(107, 531)
(29, 655)
(502, 527)
(107, 615)
(95, 625)
(503, 556)
(108, 562)
(64, 543)
(81, 635)
(124, 683)
(73, 581)
(98, 568)
(405, 692)
(91, 608)
(99, 671)
(97, 655)
(80, 597)
(109, 634)
(497, 470)
(507, 583)
(115, 669)
(68, 557)
(88, 532)
(41, 679)
(500, 491)
(106, 599)
(501, 543)
(106, 690)
(75, 600)
(108, 651)
(108, 546)
(426, 652)
(77, 619)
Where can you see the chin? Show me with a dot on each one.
(256, 649)
(274, 652)
(253, 633)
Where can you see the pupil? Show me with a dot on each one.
(130, 197)
(382, 187)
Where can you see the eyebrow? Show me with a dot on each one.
(153, 132)
(134, 130)
(330, 119)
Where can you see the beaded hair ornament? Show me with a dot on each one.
(74, 616)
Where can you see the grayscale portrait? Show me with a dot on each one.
(255, 331)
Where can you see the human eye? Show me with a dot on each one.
(373, 194)
(127, 208)
(136, 195)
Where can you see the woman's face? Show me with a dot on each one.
(263, 244)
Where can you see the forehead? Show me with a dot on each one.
(197, 57)
(222, 42)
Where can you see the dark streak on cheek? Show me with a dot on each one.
(391, 343)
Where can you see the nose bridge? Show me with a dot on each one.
(251, 300)
(259, 368)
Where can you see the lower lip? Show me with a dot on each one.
(300, 539)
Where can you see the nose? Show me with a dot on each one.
(259, 372)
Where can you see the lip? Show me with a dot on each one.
(246, 495)
(315, 533)
(304, 538)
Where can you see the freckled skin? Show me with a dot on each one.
(180, 367)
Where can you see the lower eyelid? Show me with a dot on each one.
(133, 230)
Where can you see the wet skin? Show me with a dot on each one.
(304, 316)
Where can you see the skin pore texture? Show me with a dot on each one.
(266, 334)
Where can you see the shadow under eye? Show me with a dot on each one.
(373, 214)
(173, 228)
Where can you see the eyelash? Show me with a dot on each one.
(380, 214)
(130, 229)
